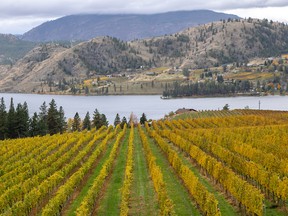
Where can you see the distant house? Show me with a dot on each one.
(171, 72)
(184, 110)
(150, 73)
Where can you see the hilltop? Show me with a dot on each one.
(12, 48)
(122, 26)
(209, 45)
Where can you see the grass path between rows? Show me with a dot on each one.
(226, 208)
(183, 205)
(143, 198)
(77, 201)
(109, 203)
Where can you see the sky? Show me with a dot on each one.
(19, 16)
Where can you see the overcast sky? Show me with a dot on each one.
(19, 16)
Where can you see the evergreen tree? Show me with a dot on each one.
(87, 122)
(22, 120)
(43, 123)
(104, 121)
(76, 122)
(53, 118)
(117, 120)
(62, 121)
(3, 120)
(143, 119)
(226, 107)
(34, 129)
(11, 121)
(96, 119)
(123, 122)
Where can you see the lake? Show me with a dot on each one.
(151, 105)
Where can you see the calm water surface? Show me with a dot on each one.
(152, 106)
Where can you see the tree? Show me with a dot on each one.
(11, 121)
(104, 121)
(226, 107)
(62, 120)
(87, 122)
(76, 122)
(43, 123)
(86, 90)
(123, 122)
(143, 119)
(117, 120)
(224, 68)
(96, 119)
(34, 128)
(69, 124)
(220, 79)
(22, 120)
(186, 72)
(53, 118)
(133, 119)
(3, 120)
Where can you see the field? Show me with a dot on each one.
(206, 163)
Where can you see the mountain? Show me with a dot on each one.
(203, 46)
(12, 48)
(125, 27)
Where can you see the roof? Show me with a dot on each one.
(184, 110)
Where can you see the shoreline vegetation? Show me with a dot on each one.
(145, 94)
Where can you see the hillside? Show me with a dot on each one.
(12, 48)
(123, 26)
(214, 44)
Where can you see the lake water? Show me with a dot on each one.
(151, 105)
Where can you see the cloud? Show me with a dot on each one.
(65, 7)
(273, 13)
(20, 16)
(19, 25)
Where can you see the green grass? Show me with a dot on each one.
(225, 207)
(183, 204)
(76, 203)
(109, 204)
(269, 211)
(143, 200)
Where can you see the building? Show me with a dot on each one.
(184, 110)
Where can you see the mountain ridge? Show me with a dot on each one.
(122, 26)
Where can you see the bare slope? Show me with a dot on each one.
(198, 47)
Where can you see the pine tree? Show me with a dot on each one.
(123, 122)
(43, 123)
(76, 122)
(34, 129)
(22, 120)
(104, 121)
(62, 121)
(11, 121)
(53, 118)
(3, 120)
(87, 122)
(117, 120)
(96, 119)
(143, 119)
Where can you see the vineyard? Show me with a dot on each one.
(205, 163)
